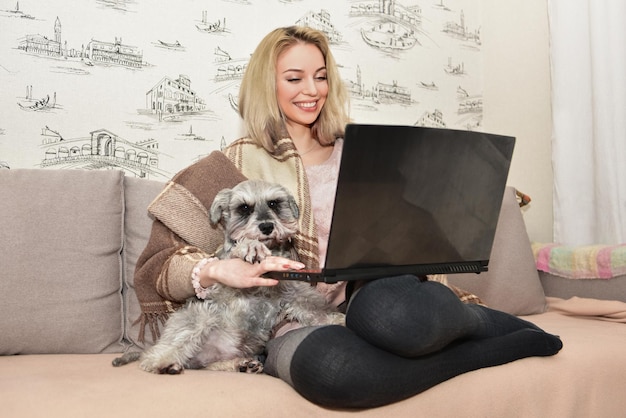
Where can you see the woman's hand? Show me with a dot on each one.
(238, 273)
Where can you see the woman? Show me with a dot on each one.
(402, 335)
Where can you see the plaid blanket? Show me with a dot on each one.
(581, 262)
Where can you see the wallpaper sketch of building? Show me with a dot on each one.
(171, 96)
(102, 149)
(108, 53)
(321, 21)
(113, 53)
(432, 119)
(460, 30)
(148, 88)
(42, 45)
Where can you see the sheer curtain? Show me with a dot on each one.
(588, 58)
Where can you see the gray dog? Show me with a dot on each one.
(229, 330)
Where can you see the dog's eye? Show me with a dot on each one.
(245, 209)
(273, 204)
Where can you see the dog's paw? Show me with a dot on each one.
(252, 251)
(160, 367)
(175, 368)
(251, 366)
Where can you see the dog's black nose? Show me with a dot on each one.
(266, 227)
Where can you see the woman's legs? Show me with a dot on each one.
(333, 367)
(410, 318)
(336, 367)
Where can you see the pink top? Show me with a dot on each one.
(322, 187)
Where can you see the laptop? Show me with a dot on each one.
(413, 200)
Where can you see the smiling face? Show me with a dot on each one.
(301, 84)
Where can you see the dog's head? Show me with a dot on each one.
(256, 209)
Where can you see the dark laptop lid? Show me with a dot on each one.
(424, 200)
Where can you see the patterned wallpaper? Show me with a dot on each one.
(150, 86)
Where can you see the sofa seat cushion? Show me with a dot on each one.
(585, 379)
(60, 282)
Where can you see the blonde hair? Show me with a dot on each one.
(258, 103)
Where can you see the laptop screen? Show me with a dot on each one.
(410, 195)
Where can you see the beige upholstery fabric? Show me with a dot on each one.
(60, 275)
(512, 283)
(560, 287)
(586, 379)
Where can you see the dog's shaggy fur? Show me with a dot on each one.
(229, 330)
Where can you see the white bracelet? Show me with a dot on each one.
(201, 292)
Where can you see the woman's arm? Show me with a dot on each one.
(165, 266)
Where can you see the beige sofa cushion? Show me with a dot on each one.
(138, 223)
(60, 281)
(512, 283)
(586, 379)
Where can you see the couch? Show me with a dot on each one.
(70, 239)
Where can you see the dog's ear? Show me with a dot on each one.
(293, 205)
(219, 207)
